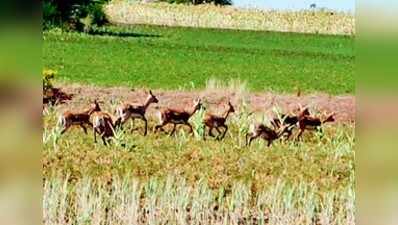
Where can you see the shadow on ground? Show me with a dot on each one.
(122, 34)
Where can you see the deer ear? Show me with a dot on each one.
(150, 92)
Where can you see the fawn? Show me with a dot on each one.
(266, 133)
(290, 120)
(177, 116)
(215, 122)
(104, 125)
(68, 118)
(312, 123)
(127, 111)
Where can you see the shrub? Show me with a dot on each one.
(47, 77)
(50, 14)
(79, 15)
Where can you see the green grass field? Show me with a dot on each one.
(171, 58)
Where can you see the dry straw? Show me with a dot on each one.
(227, 17)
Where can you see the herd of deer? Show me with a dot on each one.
(104, 124)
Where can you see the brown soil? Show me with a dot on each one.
(216, 100)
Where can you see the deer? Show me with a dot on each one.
(264, 132)
(215, 122)
(290, 120)
(312, 123)
(68, 118)
(177, 116)
(104, 125)
(127, 111)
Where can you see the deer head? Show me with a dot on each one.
(94, 107)
(197, 104)
(152, 98)
(329, 118)
(231, 108)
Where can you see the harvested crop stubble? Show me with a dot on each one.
(211, 16)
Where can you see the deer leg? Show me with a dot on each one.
(84, 128)
(103, 140)
(211, 132)
(289, 133)
(132, 124)
(269, 143)
(225, 131)
(65, 129)
(174, 129)
(252, 138)
(95, 134)
(146, 125)
(190, 127)
(246, 141)
(160, 126)
(219, 133)
(298, 137)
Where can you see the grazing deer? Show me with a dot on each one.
(215, 122)
(264, 132)
(127, 111)
(312, 123)
(177, 116)
(68, 118)
(290, 120)
(104, 125)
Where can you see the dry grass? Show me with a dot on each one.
(211, 16)
(174, 201)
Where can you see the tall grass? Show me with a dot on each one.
(174, 201)
(211, 16)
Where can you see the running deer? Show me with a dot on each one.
(290, 120)
(264, 132)
(68, 118)
(104, 125)
(215, 122)
(127, 111)
(177, 116)
(312, 123)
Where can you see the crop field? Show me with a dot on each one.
(226, 17)
(183, 179)
(186, 58)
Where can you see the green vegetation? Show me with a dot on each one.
(172, 58)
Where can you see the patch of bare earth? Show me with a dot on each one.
(216, 100)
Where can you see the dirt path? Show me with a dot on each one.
(343, 106)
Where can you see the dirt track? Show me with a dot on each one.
(343, 106)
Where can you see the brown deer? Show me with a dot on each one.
(312, 123)
(177, 116)
(68, 118)
(264, 132)
(290, 120)
(215, 122)
(127, 111)
(104, 125)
